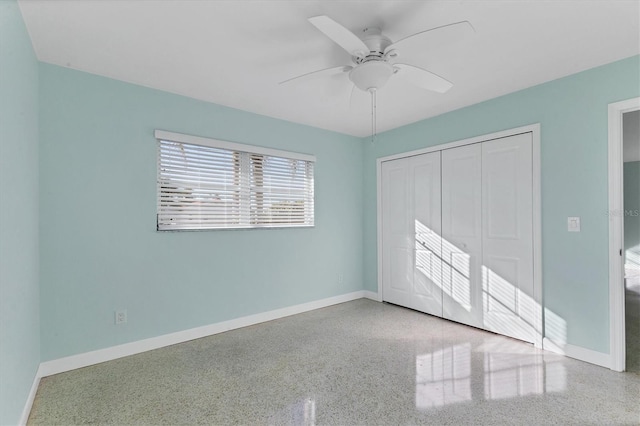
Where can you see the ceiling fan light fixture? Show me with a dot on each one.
(371, 75)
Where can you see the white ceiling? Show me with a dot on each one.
(234, 53)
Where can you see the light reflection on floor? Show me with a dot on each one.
(444, 376)
(303, 412)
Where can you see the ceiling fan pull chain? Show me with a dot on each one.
(374, 114)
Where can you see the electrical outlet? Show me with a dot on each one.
(121, 317)
(340, 278)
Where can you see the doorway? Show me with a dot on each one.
(624, 234)
(631, 226)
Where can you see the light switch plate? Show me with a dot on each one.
(573, 224)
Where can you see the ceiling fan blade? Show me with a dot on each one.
(327, 72)
(423, 78)
(435, 36)
(340, 35)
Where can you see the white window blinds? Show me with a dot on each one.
(209, 184)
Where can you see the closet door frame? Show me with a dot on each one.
(534, 129)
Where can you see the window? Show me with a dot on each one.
(210, 184)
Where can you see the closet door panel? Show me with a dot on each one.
(411, 221)
(462, 234)
(507, 262)
(397, 265)
(426, 230)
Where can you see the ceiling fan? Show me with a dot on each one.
(374, 55)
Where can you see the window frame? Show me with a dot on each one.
(246, 152)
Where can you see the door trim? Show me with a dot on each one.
(617, 349)
(534, 129)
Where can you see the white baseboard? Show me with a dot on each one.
(107, 354)
(578, 352)
(32, 395)
(371, 295)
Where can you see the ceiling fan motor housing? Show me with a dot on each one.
(372, 71)
(376, 43)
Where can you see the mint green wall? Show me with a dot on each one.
(632, 207)
(572, 112)
(19, 303)
(101, 252)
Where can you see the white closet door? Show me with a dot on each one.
(411, 227)
(397, 256)
(426, 231)
(462, 234)
(507, 261)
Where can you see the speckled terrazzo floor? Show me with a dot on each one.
(360, 362)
